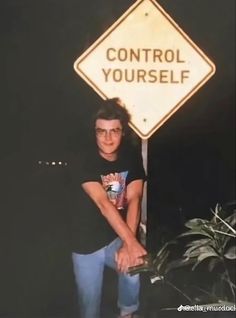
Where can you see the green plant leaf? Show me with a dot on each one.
(216, 212)
(164, 247)
(198, 252)
(200, 242)
(163, 260)
(212, 263)
(195, 247)
(179, 263)
(231, 253)
(192, 252)
(195, 232)
(196, 223)
(226, 240)
(225, 223)
(231, 219)
(203, 256)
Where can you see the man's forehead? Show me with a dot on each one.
(108, 123)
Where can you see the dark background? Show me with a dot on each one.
(44, 115)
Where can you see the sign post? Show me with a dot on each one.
(143, 221)
(150, 63)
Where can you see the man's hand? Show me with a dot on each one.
(122, 259)
(129, 255)
(136, 251)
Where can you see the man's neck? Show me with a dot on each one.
(109, 157)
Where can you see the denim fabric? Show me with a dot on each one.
(88, 271)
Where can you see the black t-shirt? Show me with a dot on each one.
(90, 231)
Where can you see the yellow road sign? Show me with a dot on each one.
(147, 61)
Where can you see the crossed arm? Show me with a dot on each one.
(131, 251)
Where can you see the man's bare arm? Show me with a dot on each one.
(112, 215)
(134, 197)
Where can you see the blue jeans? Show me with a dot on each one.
(88, 271)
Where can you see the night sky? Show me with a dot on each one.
(44, 115)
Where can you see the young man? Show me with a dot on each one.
(105, 225)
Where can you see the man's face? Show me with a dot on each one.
(108, 136)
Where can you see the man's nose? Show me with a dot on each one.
(108, 135)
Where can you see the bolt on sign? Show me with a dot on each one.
(147, 61)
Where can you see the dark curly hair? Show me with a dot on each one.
(111, 109)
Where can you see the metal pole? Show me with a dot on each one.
(143, 223)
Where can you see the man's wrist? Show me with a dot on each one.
(130, 242)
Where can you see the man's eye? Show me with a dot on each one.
(116, 130)
(113, 131)
(100, 131)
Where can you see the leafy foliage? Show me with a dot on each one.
(209, 241)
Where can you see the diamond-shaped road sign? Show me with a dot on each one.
(147, 61)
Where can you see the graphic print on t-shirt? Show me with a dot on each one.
(115, 186)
